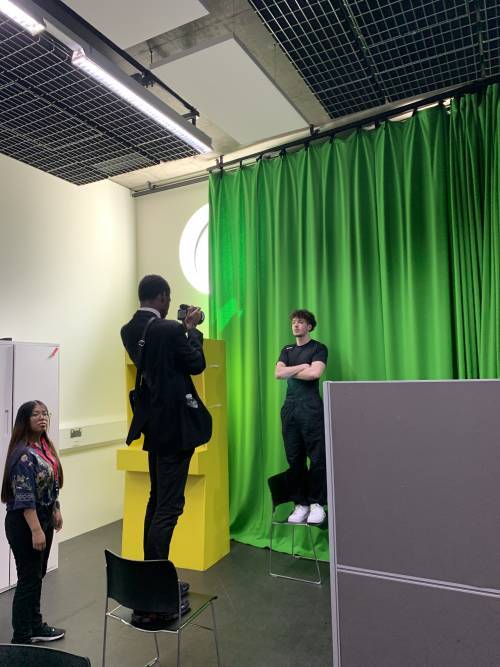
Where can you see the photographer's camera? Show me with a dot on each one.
(183, 311)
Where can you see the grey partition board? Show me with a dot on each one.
(417, 478)
(391, 624)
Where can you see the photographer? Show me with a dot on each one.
(172, 352)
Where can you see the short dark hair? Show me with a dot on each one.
(152, 286)
(306, 315)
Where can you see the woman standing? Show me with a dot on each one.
(32, 478)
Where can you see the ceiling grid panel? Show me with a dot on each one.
(56, 118)
(358, 54)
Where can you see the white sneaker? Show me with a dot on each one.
(316, 514)
(299, 514)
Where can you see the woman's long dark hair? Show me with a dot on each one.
(21, 436)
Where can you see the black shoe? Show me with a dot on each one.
(147, 621)
(184, 588)
(153, 621)
(174, 615)
(46, 633)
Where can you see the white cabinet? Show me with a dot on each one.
(6, 361)
(28, 371)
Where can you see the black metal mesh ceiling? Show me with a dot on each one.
(357, 54)
(56, 118)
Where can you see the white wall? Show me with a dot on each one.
(93, 490)
(68, 275)
(161, 218)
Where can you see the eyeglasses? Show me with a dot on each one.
(40, 414)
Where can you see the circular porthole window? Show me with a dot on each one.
(193, 250)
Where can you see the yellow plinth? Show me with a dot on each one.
(201, 537)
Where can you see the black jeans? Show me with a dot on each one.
(31, 567)
(168, 474)
(303, 431)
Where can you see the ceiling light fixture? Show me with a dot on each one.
(21, 17)
(106, 73)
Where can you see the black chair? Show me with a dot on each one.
(25, 655)
(151, 585)
(280, 493)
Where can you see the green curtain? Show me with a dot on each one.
(474, 177)
(390, 236)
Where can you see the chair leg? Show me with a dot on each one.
(156, 659)
(104, 638)
(178, 648)
(156, 645)
(315, 556)
(215, 634)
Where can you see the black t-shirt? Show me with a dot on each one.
(294, 355)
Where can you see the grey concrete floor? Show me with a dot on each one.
(263, 621)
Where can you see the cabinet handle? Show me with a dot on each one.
(214, 365)
(7, 425)
(215, 405)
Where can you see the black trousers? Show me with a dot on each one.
(168, 474)
(31, 567)
(303, 431)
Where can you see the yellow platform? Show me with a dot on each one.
(201, 537)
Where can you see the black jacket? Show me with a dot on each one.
(170, 358)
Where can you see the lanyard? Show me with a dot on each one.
(47, 456)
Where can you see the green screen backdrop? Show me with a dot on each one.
(390, 236)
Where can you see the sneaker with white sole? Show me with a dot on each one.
(46, 633)
(316, 514)
(299, 514)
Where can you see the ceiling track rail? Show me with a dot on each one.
(376, 118)
(108, 48)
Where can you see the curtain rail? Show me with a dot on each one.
(169, 186)
(458, 91)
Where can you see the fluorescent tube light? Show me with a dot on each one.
(21, 17)
(141, 100)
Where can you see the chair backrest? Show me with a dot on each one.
(38, 656)
(151, 585)
(279, 487)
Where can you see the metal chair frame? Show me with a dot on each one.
(309, 527)
(280, 494)
(199, 604)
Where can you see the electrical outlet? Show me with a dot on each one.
(75, 433)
